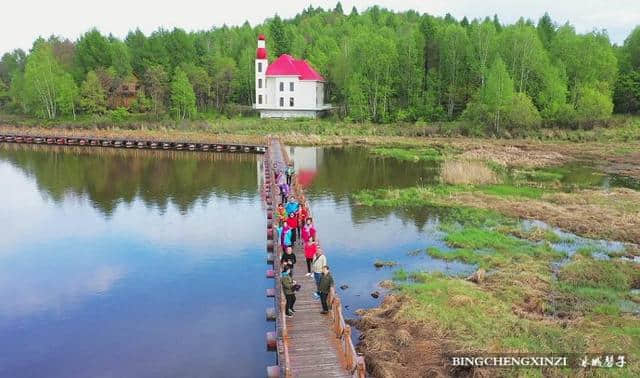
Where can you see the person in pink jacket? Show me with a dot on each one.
(308, 230)
(310, 249)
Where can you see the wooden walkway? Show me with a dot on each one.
(309, 344)
(313, 347)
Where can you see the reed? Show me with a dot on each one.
(467, 172)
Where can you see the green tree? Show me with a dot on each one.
(224, 74)
(338, 8)
(183, 100)
(157, 83)
(120, 59)
(589, 60)
(137, 45)
(484, 44)
(10, 63)
(142, 104)
(17, 92)
(48, 89)
(92, 50)
(281, 44)
(627, 93)
(521, 114)
(92, 96)
(632, 49)
(455, 50)
(4, 94)
(496, 23)
(593, 105)
(497, 94)
(201, 83)
(546, 30)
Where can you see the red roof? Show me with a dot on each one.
(286, 65)
(261, 53)
(261, 37)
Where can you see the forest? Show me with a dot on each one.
(380, 66)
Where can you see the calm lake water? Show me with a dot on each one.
(131, 264)
(119, 263)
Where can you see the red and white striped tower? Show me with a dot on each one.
(261, 69)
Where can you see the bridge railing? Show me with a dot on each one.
(284, 361)
(284, 331)
(354, 362)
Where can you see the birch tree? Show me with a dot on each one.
(183, 100)
(48, 89)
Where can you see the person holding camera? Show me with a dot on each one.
(288, 259)
(288, 287)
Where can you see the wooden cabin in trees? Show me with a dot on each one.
(125, 93)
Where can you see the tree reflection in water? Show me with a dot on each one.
(108, 177)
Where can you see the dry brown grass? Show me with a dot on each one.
(395, 347)
(460, 301)
(466, 172)
(515, 156)
(581, 212)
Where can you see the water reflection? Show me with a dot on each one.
(108, 177)
(121, 263)
(356, 236)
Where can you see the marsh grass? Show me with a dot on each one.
(409, 154)
(465, 172)
(479, 320)
(491, 249)
(400, 275)
(524, 305)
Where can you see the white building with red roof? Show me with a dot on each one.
(288, 87)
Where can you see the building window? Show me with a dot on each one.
(259, 83)
(291, 86)
(260, 99)
(281, 87)
(281, 102)
(291, 102)
(259, 66)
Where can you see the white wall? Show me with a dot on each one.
(260, 75)
(287, 113)
(320, 94)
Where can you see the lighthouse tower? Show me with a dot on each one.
(261, 69)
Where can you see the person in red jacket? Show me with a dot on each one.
(303, 214)
(310, 249)
(292, 222)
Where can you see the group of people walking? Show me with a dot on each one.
(295, 227)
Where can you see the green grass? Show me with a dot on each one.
(477, 318)
(400, 275)
(506, 190)
(586, 251)
(239, 119)
(409, 154)
(491, 249)
(606, 274)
